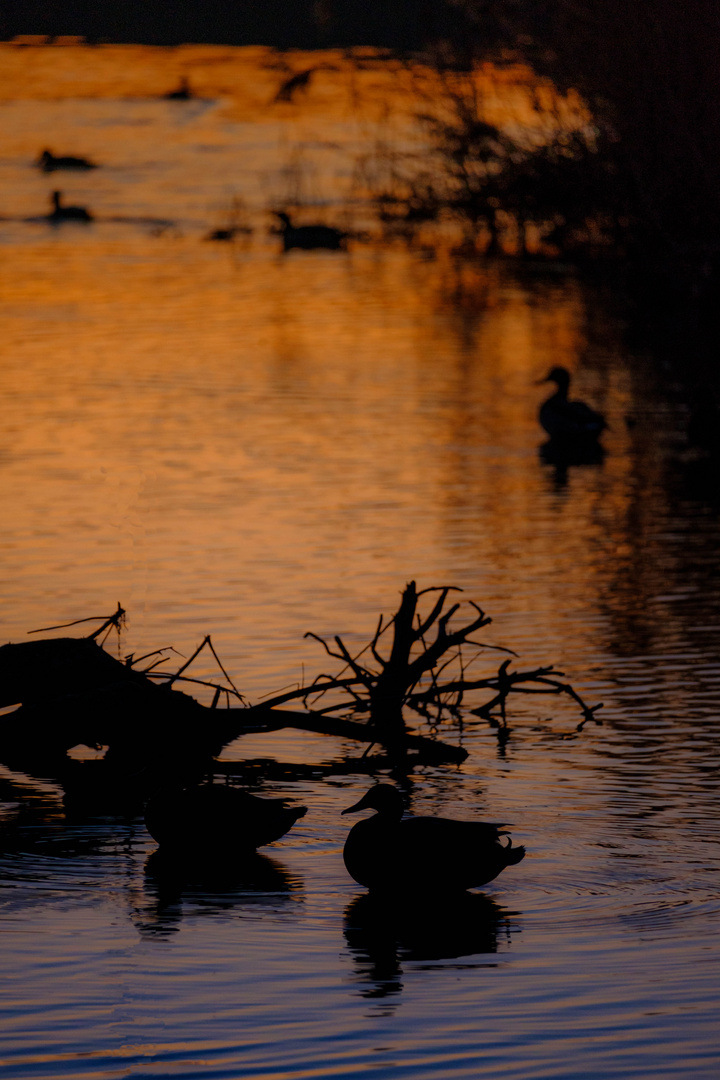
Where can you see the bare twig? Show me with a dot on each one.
(415, 674)
(115, 620)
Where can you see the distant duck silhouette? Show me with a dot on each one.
(181, 93)
(222, 234)
(215, 818)
(290, 86)
(431, 854)
(67, 213)
(309, 236)
(49, 163)
(568, 421)
(229, 232)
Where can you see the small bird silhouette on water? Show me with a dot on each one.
(309, 236)
(432, 854)
(181, 93)
(290, 86)
(49, 163)
(222, 234)
(568, 421)
(67, 213)
(215, 818)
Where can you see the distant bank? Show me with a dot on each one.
(303, 24)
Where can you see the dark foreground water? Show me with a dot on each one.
(235, 442)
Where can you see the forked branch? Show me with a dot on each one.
(431, 678)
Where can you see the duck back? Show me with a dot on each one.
(564, 419)
(214, 817)
(428, 853)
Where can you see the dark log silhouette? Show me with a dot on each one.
(71, 691)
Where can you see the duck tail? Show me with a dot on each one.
(513, 855)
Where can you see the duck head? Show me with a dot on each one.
(558, 375)
(384, 798)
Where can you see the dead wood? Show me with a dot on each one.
(71, 691)
(428, 677)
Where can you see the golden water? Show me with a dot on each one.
(234, 441)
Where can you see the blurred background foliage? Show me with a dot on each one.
(641, 185)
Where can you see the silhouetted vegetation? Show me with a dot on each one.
(71, 692)
(644, 185)
(555, 194)
(650, 74)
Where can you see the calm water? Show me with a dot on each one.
(231, 441)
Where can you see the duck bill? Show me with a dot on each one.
(355, 806)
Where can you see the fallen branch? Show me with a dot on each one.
(71, 691)
(428, 677)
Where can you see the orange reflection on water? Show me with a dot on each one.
(234, 441)
(261, 444)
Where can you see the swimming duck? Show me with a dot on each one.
(49, 163)
(290, 86)
(181, 93)
(309, 236)
(67, 213)
(568, 421)
(215, 817)
(434, 854)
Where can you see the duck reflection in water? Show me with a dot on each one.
(383, 930)
(175, 883)
(390, 853)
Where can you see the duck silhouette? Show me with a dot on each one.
(49, 163)
(433, 854)
(291, 85)
(67, 213)
(215, 818)
(309, 236)
(222, 234)
(568, 421)
(181, 93)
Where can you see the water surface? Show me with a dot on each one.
(233, 441)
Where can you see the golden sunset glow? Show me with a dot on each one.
(234, 439)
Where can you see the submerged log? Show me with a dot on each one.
(432, 751)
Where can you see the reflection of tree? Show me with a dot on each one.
(650, 71)
(210, 886)
(546, 179)
(383, 930)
